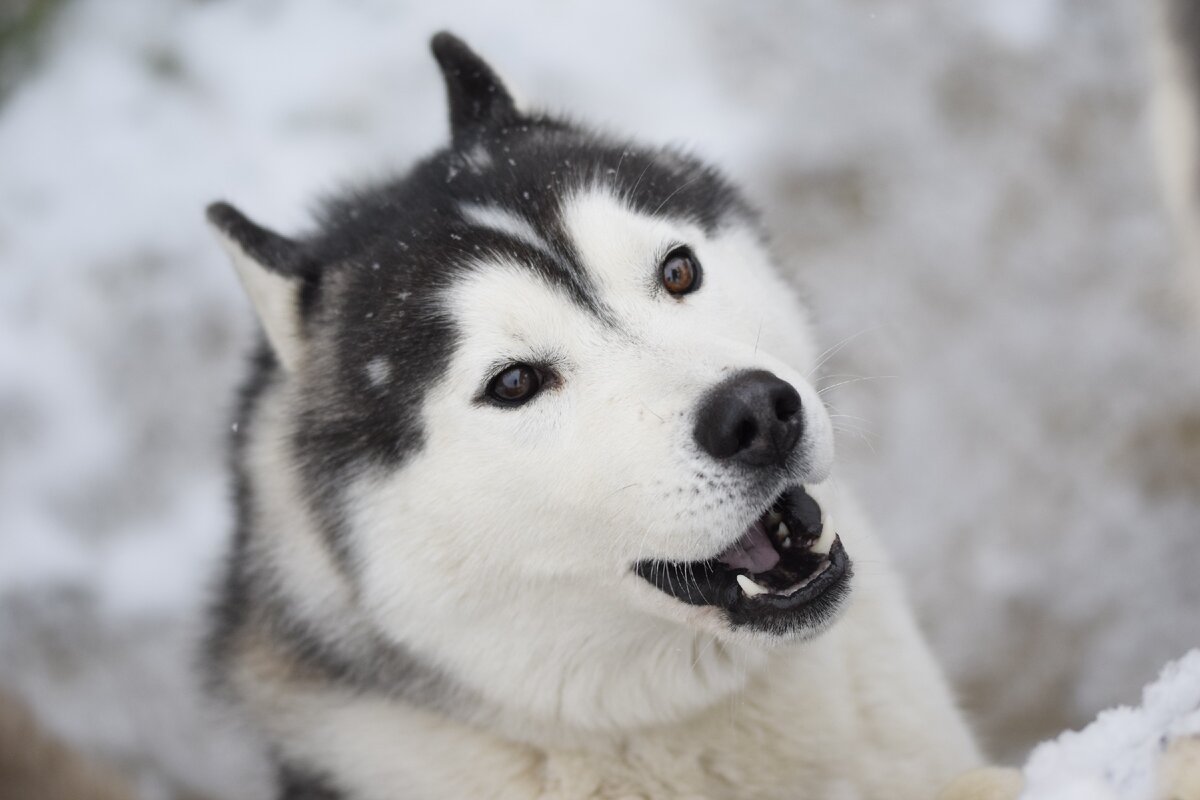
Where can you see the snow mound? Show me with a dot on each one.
(1118, 755)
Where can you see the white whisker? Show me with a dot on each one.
(833, 351)
(855, 380)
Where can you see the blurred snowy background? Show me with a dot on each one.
(964, 191)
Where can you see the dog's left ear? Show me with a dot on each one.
(478, 98)
(271, 269)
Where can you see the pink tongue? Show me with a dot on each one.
(753, 551)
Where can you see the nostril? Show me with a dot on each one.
(786, 406)
(744, 433)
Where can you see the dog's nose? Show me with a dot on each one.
(752, 417)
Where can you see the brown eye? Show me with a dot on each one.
(515, 384)
(680, 272)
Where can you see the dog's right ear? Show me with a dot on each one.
(269, 267)
(478, 98)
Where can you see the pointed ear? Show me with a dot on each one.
(269, 266)
(478, 98)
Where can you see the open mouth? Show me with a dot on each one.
(785, 571)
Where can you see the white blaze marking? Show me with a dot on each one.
(379, 371)
(506, 222)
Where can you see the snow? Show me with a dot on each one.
(1021, 24)
(1117, 756)
(965, 196)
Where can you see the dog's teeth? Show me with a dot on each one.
(782, 531)
(749, 587)
(787, 543)
(825, 541)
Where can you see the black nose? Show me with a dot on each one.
(752, 417)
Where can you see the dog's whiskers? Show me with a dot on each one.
(848, 416)
(700, 655)
(862, 436)
(638, 182)
(621, 160)
(677, 191)
(858, 379)
(837, 348)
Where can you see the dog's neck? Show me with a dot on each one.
(767, 718)
(577, 670)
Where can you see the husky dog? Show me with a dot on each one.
(532, 497)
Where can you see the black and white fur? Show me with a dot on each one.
(432, 595)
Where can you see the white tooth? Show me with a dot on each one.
(749, 587)
(825, 541)
(782, 531)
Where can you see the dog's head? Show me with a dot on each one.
(550, 364)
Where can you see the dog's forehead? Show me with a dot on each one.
(507, 195)
(554, 200)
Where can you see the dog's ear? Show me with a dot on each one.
(269, 266)
(478, 98)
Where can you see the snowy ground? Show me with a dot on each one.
(1120, 755)
(964, 191)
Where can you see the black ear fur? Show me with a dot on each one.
(477, 96)
(274, 252)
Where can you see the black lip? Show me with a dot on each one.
(811, 607)
(712, 583)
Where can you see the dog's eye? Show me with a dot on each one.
(515, 385)
(680, 272)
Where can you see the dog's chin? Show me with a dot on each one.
(786, 575)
